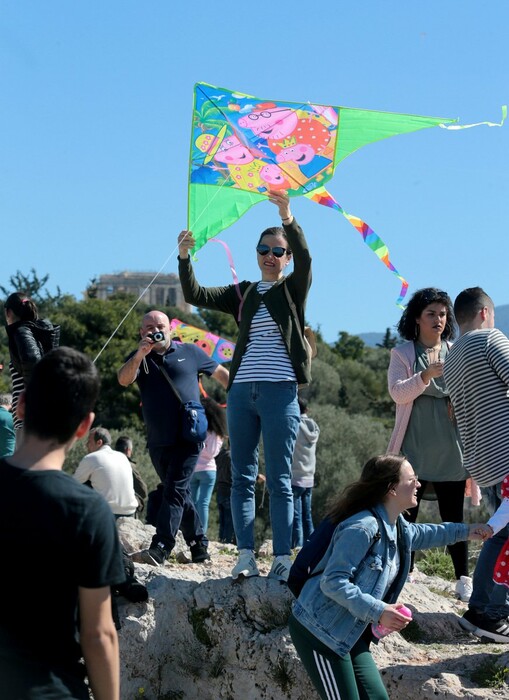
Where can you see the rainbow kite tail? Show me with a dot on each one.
(373, 240)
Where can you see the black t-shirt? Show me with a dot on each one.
(55, 535)
(161, 409)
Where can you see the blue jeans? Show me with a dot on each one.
(202, 485)
(174, 465)
(488, 597)
(269, 409)
(302, 518)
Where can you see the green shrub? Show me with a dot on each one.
(436, 562)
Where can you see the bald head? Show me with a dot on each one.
(156, 322)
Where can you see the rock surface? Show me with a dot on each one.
(202, 636)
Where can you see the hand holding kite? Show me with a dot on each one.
(186, 242)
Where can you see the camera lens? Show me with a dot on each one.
(157, 336)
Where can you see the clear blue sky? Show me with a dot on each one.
(95, 117)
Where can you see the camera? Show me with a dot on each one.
(156, 337)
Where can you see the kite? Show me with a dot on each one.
(243, 146)
(217, 348)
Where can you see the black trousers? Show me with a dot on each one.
(450, 497)
(174, 465)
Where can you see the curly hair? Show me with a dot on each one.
(378, 476)
(408, 327)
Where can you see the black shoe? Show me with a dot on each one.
(133, 591)
(495, 630)
(199, 553)
(486, 628)
(155, 555)
(471, 620)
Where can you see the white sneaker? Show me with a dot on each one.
(245, 566)
(281, 567)
(463, 588)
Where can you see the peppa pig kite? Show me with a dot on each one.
(242, 146)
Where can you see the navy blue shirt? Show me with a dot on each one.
(161, 408)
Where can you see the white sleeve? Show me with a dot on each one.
(501, 517)
(83, 471)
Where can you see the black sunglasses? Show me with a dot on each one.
(278, 251)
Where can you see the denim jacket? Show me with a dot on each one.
(337, 606)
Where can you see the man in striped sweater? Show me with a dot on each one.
(476, 372)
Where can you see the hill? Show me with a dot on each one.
(201, 636)
(372, 339)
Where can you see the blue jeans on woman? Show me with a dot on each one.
(302, 519)
(487, 597)
(269, 409)
(202, 485)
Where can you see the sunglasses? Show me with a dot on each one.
(278, 251)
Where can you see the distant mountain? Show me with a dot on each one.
(501, 322)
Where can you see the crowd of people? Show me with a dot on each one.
(451, 401)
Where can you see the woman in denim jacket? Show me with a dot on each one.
(364, 570)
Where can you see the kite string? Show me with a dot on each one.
(151, 282)
(135, 304)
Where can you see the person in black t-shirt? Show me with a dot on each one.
(61, 542)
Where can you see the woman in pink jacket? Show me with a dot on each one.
(425, 430)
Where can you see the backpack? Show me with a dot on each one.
(312, 553)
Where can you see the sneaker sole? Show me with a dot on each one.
(468, 626)
(463, 599)
(277, 577)
(486, 635)
(243, 575)
(147, 558)
(490, 637)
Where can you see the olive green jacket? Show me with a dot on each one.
(227, 299)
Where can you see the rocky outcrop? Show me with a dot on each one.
(202, 636)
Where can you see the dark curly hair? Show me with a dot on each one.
(408, 327)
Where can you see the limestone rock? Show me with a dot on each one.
(202, 636)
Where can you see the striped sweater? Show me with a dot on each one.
(477, 374)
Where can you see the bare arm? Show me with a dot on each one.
(129, 371)
(99, 642)
(221, 375)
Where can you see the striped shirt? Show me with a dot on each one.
(18, 385)
(266, 358)
(476, 372)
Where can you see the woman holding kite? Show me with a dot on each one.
(269, 362)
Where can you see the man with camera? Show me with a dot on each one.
(160, 366)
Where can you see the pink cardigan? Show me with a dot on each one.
(404, 387)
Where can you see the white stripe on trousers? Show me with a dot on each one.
(326, 676)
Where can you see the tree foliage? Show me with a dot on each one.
(348, 395)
